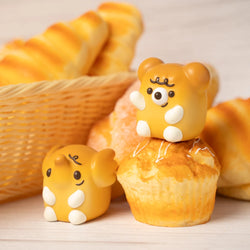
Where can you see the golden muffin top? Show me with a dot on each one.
(155, 158)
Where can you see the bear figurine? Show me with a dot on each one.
(172, 100)
(77, 183)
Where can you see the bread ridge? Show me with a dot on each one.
(10, 46)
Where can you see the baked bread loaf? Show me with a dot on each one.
(170, 184)
(117, 131)
(227, 131)
(125, 24)
(63, 51)
(241, 192)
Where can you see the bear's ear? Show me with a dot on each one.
(198, 75)
(146, 65)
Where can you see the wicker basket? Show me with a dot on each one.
(34, 117)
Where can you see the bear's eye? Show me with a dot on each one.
(160, 96)
(77, 175)
(48, 173)
(171, 93)
(149, 91)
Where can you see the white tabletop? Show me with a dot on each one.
(22, 227)
(212, 31)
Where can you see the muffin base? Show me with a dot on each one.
(171, 203)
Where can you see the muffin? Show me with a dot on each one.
(170, 184)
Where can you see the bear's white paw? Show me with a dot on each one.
(48, 196)
(49, 214)
(172, 134)
(137, 99)
(174, 115)
(143, 129)
(76, 199)
(77, 217)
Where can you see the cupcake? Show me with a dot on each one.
(170, 184)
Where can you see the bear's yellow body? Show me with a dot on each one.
(172, 100)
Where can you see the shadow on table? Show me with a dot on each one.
(228, 207)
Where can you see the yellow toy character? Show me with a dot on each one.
(172, 100)
(77, 183)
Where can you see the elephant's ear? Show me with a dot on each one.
(104, 168)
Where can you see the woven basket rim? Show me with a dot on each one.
(22, 90)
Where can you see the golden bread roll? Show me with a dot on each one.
(170, 184)
(63, 51)
(227, 131)
(241, 192)
(125, 24)
(117, 131)
(213, 87)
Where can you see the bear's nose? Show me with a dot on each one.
(61, 160)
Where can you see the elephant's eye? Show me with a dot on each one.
(48, 173)
(77, 175)
(149, 91)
